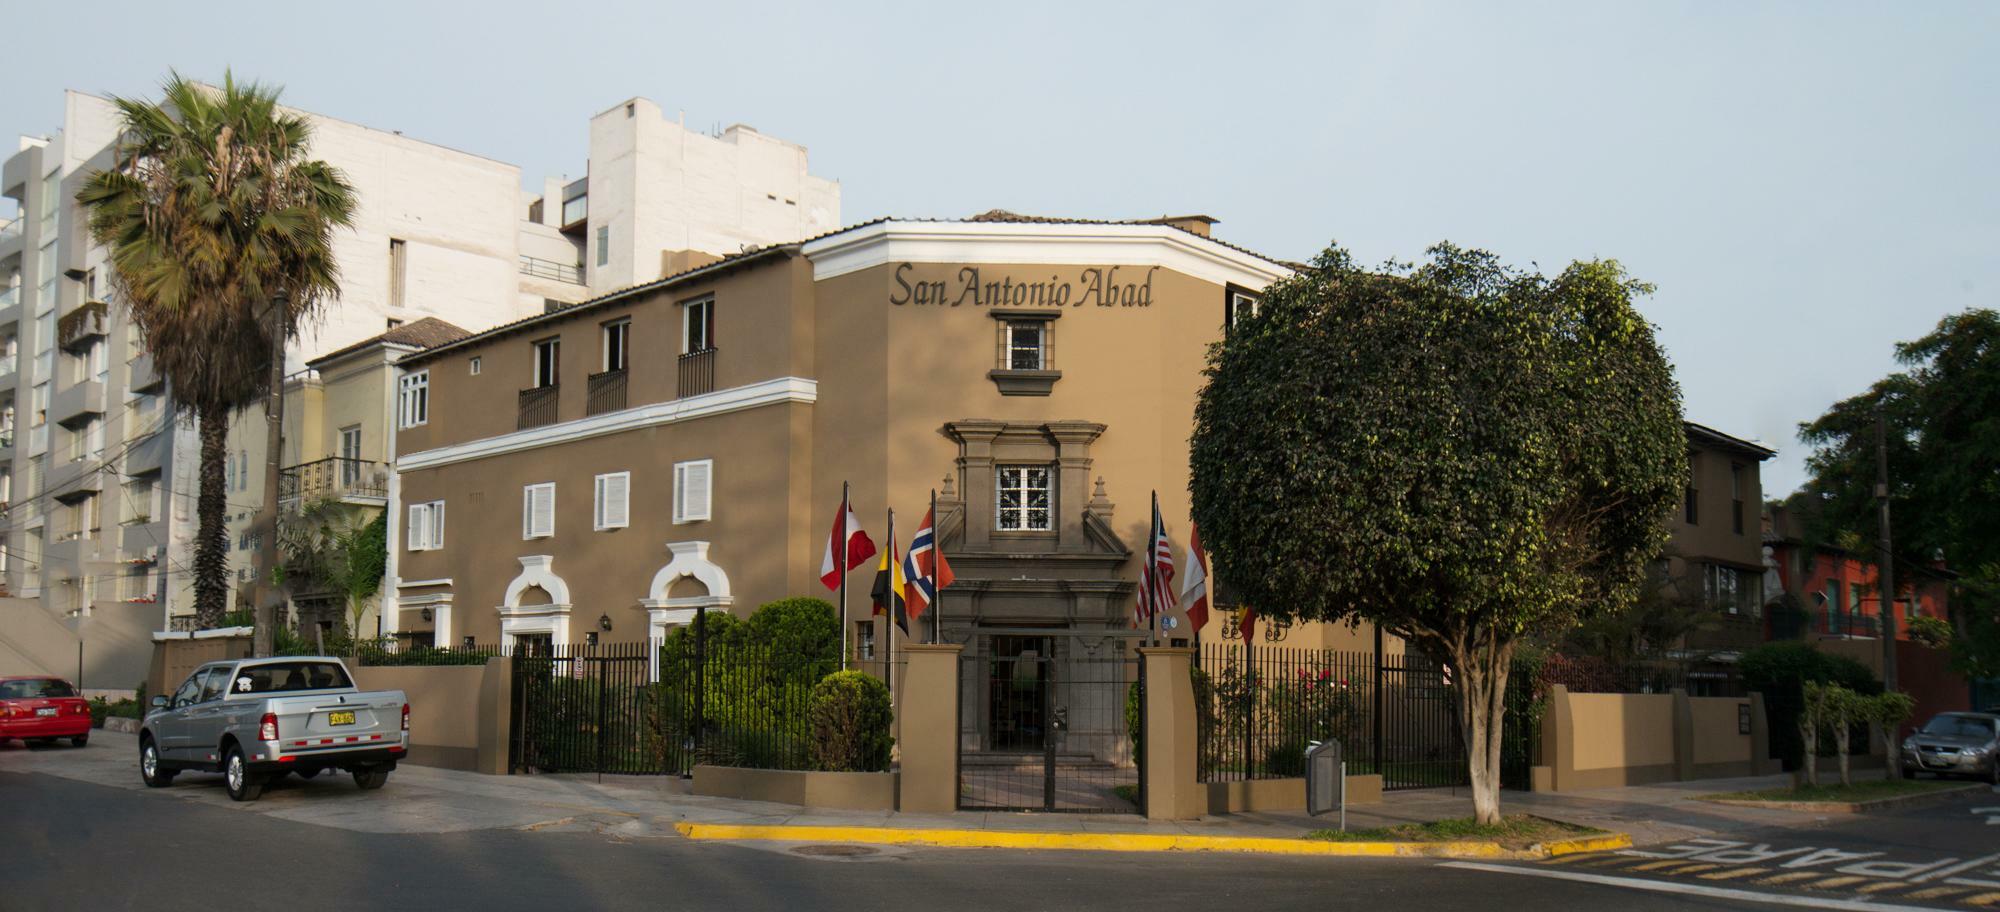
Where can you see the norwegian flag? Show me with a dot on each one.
(1156, 574)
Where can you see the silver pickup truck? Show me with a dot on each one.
(253, 720)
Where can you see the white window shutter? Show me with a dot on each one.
(613, 510)
(597, 504)
(437, 524)
(538, 511)
(418, 536)
(693, 489)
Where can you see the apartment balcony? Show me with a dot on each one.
(696, 374)
(538, 407)
(73, 477)
(1846, 625)
(539, 268)
(355, 481)
(76, 400)
(150, 454)
(8, 365)
(83, 325)
(141, 537)
(10, 305)
(606, 394)
(63, 557)
(143, 377)
(10, 236)
(6, 445)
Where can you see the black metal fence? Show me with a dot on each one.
(663, 707)
(1260, 707)
(1046, 727)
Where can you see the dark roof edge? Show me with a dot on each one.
(1726, 441)
(554, 316)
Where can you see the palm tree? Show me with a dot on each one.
(330, 547)
(212, 213)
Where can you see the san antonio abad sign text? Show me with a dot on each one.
(1099, 285)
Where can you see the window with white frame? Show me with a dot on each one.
(1027, 345)
(694, 490)
(426, 532)
(413, 399)
(617, 335)
(548, 363)
(613, 507)
(603, 244)
(1242, 306)
(538, 510)
(698, 325)
(473, 366)
(1022, 499)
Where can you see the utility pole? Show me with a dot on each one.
(1886, 571)
(266, 590)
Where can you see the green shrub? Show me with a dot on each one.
(1780, 670)
(1934, 632)
(850, 723)
(804, 626)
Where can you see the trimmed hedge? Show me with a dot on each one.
(850, 723)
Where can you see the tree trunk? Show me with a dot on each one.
(1809, 736)
(211, 538)
(1841, 734)
(1481, 678)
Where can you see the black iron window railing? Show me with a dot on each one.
(697, 373)
(606, 393)
(538, 407)
(332, 478)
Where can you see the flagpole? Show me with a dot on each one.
(889, 612)
(840, 560)
(1152, 563)
(937, 561)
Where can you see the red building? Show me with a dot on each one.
(1838, 588)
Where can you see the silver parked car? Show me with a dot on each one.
(255, 719)
(1956, 743)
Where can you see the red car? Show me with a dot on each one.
(41, 709)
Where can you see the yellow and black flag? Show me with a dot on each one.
(889, 582)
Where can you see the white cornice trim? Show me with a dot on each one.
(1039, 243)
(770, 392)
(418, 584)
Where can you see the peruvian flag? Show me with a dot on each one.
(1194, 580)
(847, 538)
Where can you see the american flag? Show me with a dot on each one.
(1156, 574)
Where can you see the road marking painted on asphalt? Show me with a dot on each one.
(1788, 878)
(1734, 873)
(1881, 886)
(1692, 889)
(1983, 899)
(1695, 869)
(1658, 865)
(1935, 892)
(1835, 882)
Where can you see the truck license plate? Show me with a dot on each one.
(343, 717)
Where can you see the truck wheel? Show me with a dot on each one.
(243, 785)
(151, 769)
(370, 779)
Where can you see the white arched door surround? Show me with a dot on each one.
(552, 618)
(689, 560)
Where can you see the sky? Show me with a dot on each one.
(1805, 183)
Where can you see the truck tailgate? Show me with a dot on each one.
(339, 721)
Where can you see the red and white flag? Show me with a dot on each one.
(1194, 581)
(848, 539)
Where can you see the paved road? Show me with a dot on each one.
(74, 843)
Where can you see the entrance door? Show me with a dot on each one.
(1017, 694)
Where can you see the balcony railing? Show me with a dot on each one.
(81, 323)
(8, 363)
(538, 407)
(606, 393)
(13, 228)
(697, 373)
(10, 297)
(332, 478)
(1846, 624)
(550, 269)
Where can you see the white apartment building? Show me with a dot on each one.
(97, 471)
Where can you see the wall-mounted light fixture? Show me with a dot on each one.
(604, 622)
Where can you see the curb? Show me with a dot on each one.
(1932, 796)
(1143, 842)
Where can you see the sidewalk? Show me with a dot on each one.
(423, 799)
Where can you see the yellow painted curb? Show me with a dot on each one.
(1139, 842)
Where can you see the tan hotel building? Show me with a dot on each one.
(681, 445)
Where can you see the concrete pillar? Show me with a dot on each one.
(928, 720)
(1173, 787)
(1683, 735)
(1760, 739)
(496, 716)
(1558, 741)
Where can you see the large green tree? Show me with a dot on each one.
(1463, 453)
(212, 212)
(1941, 421)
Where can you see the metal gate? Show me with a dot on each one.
(594, 708)
(1421, 743)
(1047, 726)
